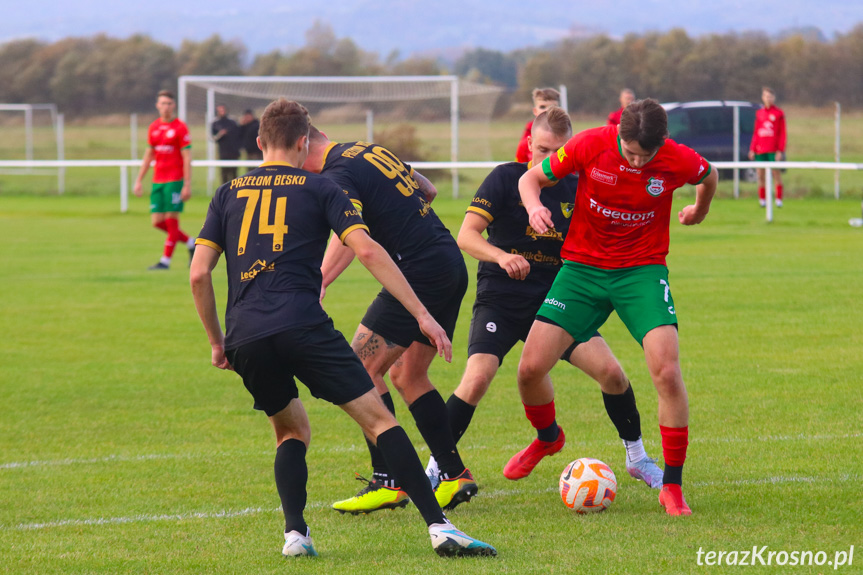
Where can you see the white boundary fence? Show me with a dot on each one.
(124, 166)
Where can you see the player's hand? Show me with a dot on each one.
(540, 219)
(751, 155)
(323, 293)
(186, 192)
(689, 216)
(514, 265)
(437, 336)
(136, 189)
(219, 359)
(779, 156)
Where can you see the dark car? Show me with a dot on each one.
(708, 128)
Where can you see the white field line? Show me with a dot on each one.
(496, 494)
(354, 448)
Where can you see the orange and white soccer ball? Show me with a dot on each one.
(587, 485)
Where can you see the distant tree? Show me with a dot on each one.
(16, 60)
(135, 71)
(213, 56)
(489, 65)
(416, 66)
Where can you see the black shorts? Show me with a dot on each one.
(441, 295)
(318, 356)
(495, 329)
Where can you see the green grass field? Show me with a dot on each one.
(123, 451)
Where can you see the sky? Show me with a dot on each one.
(413, 26)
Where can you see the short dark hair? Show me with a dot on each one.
(768, 89)
(645, 122)
(548, 94)
(166, 94)
(556, 121)
(283, 123)
(316, 135)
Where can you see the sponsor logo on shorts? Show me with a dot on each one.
(257, 267)
(628, 218)
(603, 177)
(491, 327)
(553, 302)
(655, 186)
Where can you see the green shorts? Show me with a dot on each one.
(766, 157)
(582, 297)
(165, 197)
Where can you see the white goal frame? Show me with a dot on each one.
(212, 84)
(56, 122)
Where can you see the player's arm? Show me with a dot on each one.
(471, 240)
(145, 165)
(426, 187)
(336, 260)
(384, 269)
(186, 192)
(704, 192)
(780, 148)
(529, 187)
(201, 280)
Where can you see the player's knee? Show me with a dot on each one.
(611, 377)
(668, 379)
(530, 371)
(300, 433)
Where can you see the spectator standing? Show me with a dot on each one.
(226, 133)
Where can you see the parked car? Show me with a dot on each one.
(708, 128)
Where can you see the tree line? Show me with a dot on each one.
(102, 75)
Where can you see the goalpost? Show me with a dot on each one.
(352, 106)
(36, 139)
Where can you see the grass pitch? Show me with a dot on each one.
(123, 451)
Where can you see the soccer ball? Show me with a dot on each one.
(587, 485)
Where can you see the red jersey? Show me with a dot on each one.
(167, 140)
(614, 117)
(769, 133)
(523, 153)
(622, 213)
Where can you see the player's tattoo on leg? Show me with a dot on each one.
(390, 344)
(367, 349)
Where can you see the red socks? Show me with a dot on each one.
(674, 442)
(779, 192)
(540, 416)
(172, 227)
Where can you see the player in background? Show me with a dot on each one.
(627, 96)
(393, 200)
(614, 260)
(170, 147)
(543, 99)
(517, 266)
(273, 225)
(768, 143)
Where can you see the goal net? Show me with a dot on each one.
(422, 118)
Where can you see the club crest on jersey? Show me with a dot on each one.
(655, 186)
(170, 133)
(561, 154)
(567, 209)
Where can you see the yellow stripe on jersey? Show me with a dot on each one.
(209, 244)
(345, 233)
(327, 150)
(481, 212)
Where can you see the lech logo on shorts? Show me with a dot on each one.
(491, 327)
(655, 186)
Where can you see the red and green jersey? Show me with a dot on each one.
(769, 133)
(622, 213)
(167, 140)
